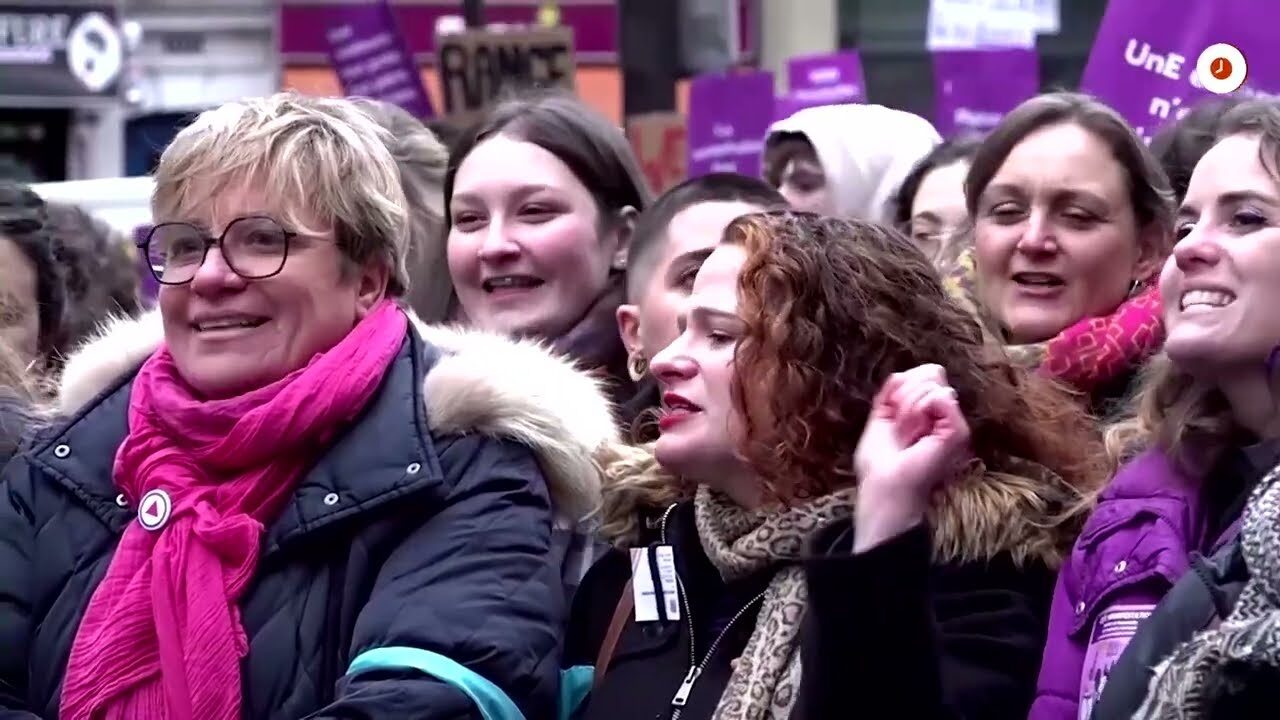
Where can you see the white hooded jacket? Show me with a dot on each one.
(866, 151)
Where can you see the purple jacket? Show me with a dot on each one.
(1133, 548)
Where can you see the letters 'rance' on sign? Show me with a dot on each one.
(476, 67)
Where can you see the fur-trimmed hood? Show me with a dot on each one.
(484, 383)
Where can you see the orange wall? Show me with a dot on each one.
(599, 85)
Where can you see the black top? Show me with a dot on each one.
(888, 635)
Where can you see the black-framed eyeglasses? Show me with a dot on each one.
(254, 247)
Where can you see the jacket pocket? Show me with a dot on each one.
(1127, 543)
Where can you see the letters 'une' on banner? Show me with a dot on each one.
(1143, 62)
(976, 88)
(729, 115)
(826, 79)
(372, 60)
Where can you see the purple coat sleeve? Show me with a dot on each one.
(1058, 691)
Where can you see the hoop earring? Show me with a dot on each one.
(637, 366)
(1134, 288)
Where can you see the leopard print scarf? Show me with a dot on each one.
(1249, 636)
(765, 681)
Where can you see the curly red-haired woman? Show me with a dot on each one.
(807, 339)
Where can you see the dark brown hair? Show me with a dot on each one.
(781, 149)
(595, 150)
(832, 307)
(947, 153)
(1149, 191)
(99, 269)
(1180, 146)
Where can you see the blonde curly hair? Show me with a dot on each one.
(635, 490)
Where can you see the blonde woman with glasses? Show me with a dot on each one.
(279, 496)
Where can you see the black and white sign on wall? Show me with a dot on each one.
(69, 50)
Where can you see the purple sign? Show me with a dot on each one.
(830, 79)
(1143, 62)
(729, 115)
(304, 23)
(975, 88)
(371, 59)
(149, 288)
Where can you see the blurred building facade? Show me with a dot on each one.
(890, 36)
(95, 88)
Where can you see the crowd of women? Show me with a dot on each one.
(906, 428)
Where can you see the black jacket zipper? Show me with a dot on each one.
(681, 698)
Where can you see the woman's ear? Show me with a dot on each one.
(372, 287)
(628, 317)
(624, 226)
(1153, 250)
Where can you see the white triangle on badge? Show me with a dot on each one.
(153, 511)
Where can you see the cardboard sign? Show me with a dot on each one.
(477, 67)
(660, 144)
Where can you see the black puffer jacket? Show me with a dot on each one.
(421, 527)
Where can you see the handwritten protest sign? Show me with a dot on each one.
(660, 143)
(477, 66)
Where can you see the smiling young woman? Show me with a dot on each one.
(1164, 555)
(541, 197)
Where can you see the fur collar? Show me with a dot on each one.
(1019, 508)
(484, 383)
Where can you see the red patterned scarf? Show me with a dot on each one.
(1086, 355)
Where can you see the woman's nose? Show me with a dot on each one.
(1038, 237)
(497, 244)
(1196, 248)
(671, 364)
(214, 273)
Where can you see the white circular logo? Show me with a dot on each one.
(153, 511)
(95, 53)
(1221, 69)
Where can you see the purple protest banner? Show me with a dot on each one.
(372, 60)
(303, 24)
(975, 88)
(828, 79)
(1143, 61)
(148, 288)
(729, 115)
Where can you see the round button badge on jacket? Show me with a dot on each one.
(153, 511)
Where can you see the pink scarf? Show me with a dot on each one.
(161, 638)
(1090, 353)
